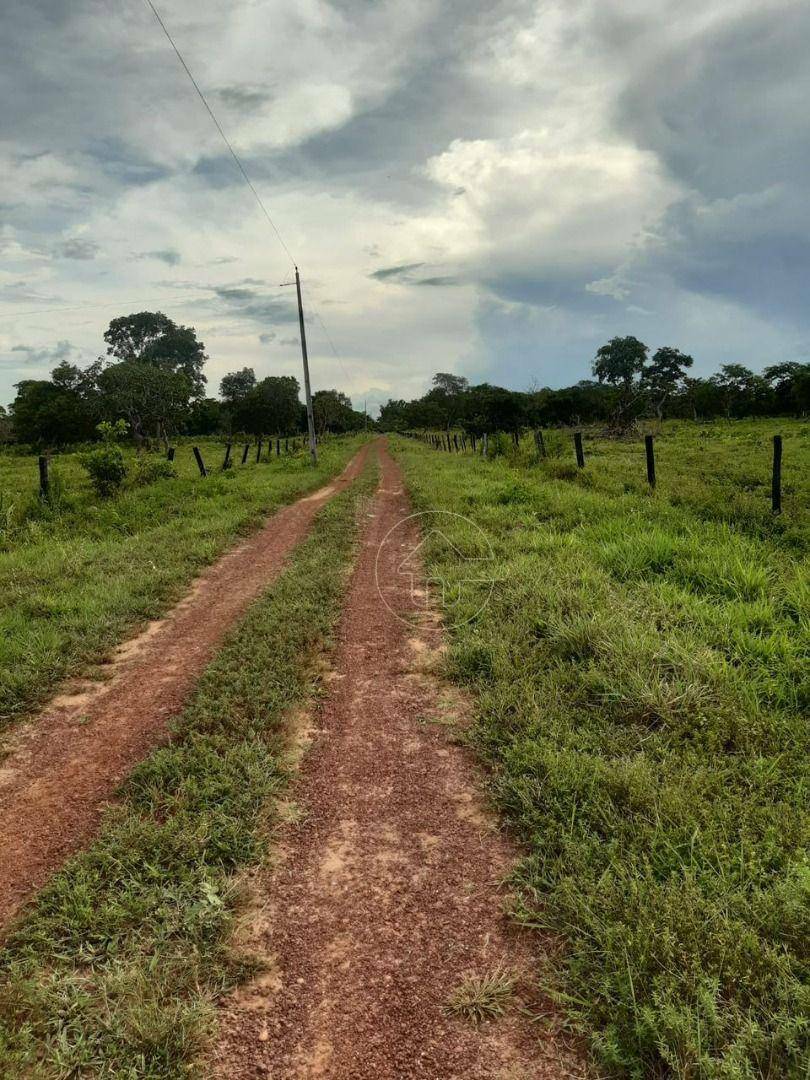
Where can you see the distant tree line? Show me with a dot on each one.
(152, 377)
(628, 385)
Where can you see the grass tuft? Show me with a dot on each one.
(482, 997)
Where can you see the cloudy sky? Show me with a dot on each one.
(492, 187)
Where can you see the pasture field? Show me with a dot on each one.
(78, 573)
(115, 968)
(640, 679)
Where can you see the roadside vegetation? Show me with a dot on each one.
(115, 968)
(78, 571)
(640, 674)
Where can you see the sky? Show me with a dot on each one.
(489, 187)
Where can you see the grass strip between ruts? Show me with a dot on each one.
(115, 968)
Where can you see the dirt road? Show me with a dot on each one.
(63, 767)
(385, 895)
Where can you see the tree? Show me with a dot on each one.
(52, 413)
(743, 393)
(790, 382)
(453, 385)
(206, 417)
(271, 407)
(150, 337)
(664, 376)
(333, 412)
(620, 363)
(236, 385)
(490, 408)
(700, 398)
(395, 416)
(152, 399)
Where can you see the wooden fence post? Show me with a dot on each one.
(226, 464)
(776, 477)
(170, 454)
(258, 450)
(455, 442)
(200, 462)
(44, 480)
(648, 446)
(286, 446)
(245, 452)
(485, 445)
(539, 442)
(472, 437)
(578, 448)
(278, 447)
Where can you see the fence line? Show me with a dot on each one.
(442, 441)
(289, 447)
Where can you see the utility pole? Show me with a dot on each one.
(307, 392)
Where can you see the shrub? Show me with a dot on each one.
(105, 466)
(151, 467)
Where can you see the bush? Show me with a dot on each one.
(105, 468)
(151, 467)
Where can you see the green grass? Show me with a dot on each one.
(640, 674)
(76, 578)
(716, 472)
(115, 969)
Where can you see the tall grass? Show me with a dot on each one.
(641, 683)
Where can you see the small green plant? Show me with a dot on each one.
(482, 997)
(105, 465)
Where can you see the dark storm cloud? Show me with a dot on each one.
(396, 273)
(244, 98)
(40, 357)
(167, 255)
(252, 304)
(726, 112)
(78, 248)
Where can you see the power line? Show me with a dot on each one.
(219, 128)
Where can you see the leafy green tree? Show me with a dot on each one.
(150, 337)
(743, 393)
(236, 385)
(271, 407)
(154, 400)
(699, 399)
(790, 382)
(207, 416)
(395, 415)
(45, 413)
(490, 408)
(664, 376)
(329, 408)
(620, 363)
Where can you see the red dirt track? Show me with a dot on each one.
(384, 892)
(65, 765)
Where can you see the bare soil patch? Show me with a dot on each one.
(384, 895)
(61, 769)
